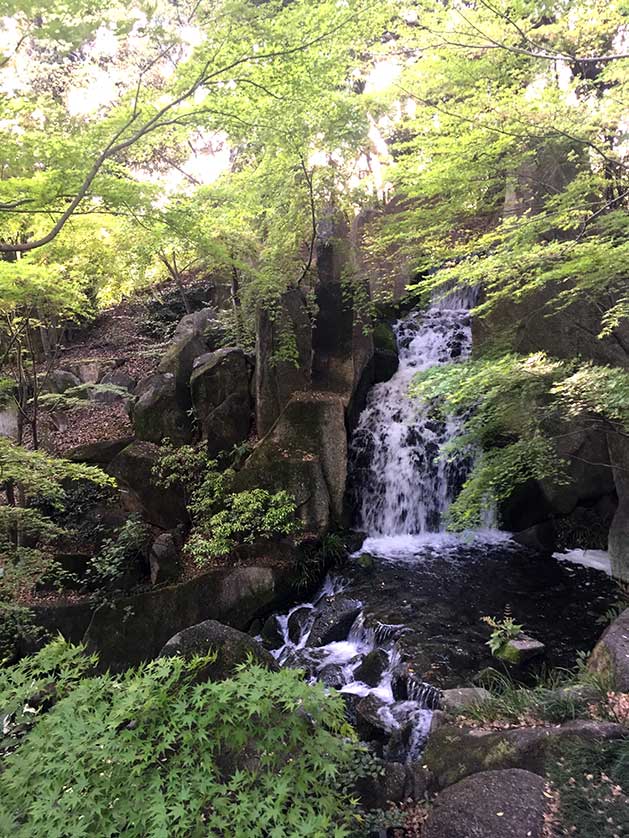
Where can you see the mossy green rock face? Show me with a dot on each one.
(384, 338)
(453, 753)
(610, 658)
(158, 414)
(520, 650)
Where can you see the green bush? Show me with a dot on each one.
(117, 555)
(154, 753)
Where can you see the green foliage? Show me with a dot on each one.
(503, 631)
(16, 630)
(118, 555)
(221, 518)
(246, 517)
(155, 752)
(513, 407)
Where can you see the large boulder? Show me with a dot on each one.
(283, 356)
(135, 628)
(305, 454)
(493, 804)
(116, 378)
(133, 468)
(58, 381)
(158, 413)
(453, 753)
(99, 453)
(610, 657)
(232, 647)
(220, 395)
(165, 558)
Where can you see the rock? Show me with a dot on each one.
(297, 622)
(204, 324)
(164, 559)
(271, 633)
(618, 539)
(232, 647)
(369, 722)
(610, 658)
(388, 787)
(58, 381)
(116, 378)
(178, 361)
(371, 668)
(493, 804)
(384, 338)
(542, 536)
(334, 620)
(386, 364)
(220, 395)
(331, 676)
(99, 453)
(277, 378)
(306, 455)
(133, 629)
(366, 562)
(520, 650)
(453, 753)
(158, 414)
(132, 467)
(454, 700)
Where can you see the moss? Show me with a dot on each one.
(383, 337)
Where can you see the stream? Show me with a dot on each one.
(402, 619)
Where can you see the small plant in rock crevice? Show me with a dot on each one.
(503, 631)
(118, 555)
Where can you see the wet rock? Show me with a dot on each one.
(371, 669)
(453, 753)
(335, 617)
(297, 622)
(456, 699)
(366, 562)
(369, 722)
(271, 633)
(492, 804)
(164, 558)
(232, 647)
(520, 650)
(610, 658)
(332, 676)
(386, 365)
(220, 395)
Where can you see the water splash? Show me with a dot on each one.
(399, 483)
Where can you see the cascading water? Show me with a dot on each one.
(412, 602)
(398, 482)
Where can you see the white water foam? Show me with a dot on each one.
(411, 547)
(401, 484)
(596, 559)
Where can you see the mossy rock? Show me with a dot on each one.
(384, 338)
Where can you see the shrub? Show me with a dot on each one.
(246, 517)
(154, 752)
(116, 556)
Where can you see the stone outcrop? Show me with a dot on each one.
(493, 804)
(305, 454)
(283, 356)
(135, 628)
(132, 467)
(219, 385)
(164, 558)
(610, 658)
(158, 413)
(453, 753)
(231, 647)
(335, 618)
(163, 399)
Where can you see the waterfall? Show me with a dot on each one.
(399, 483)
